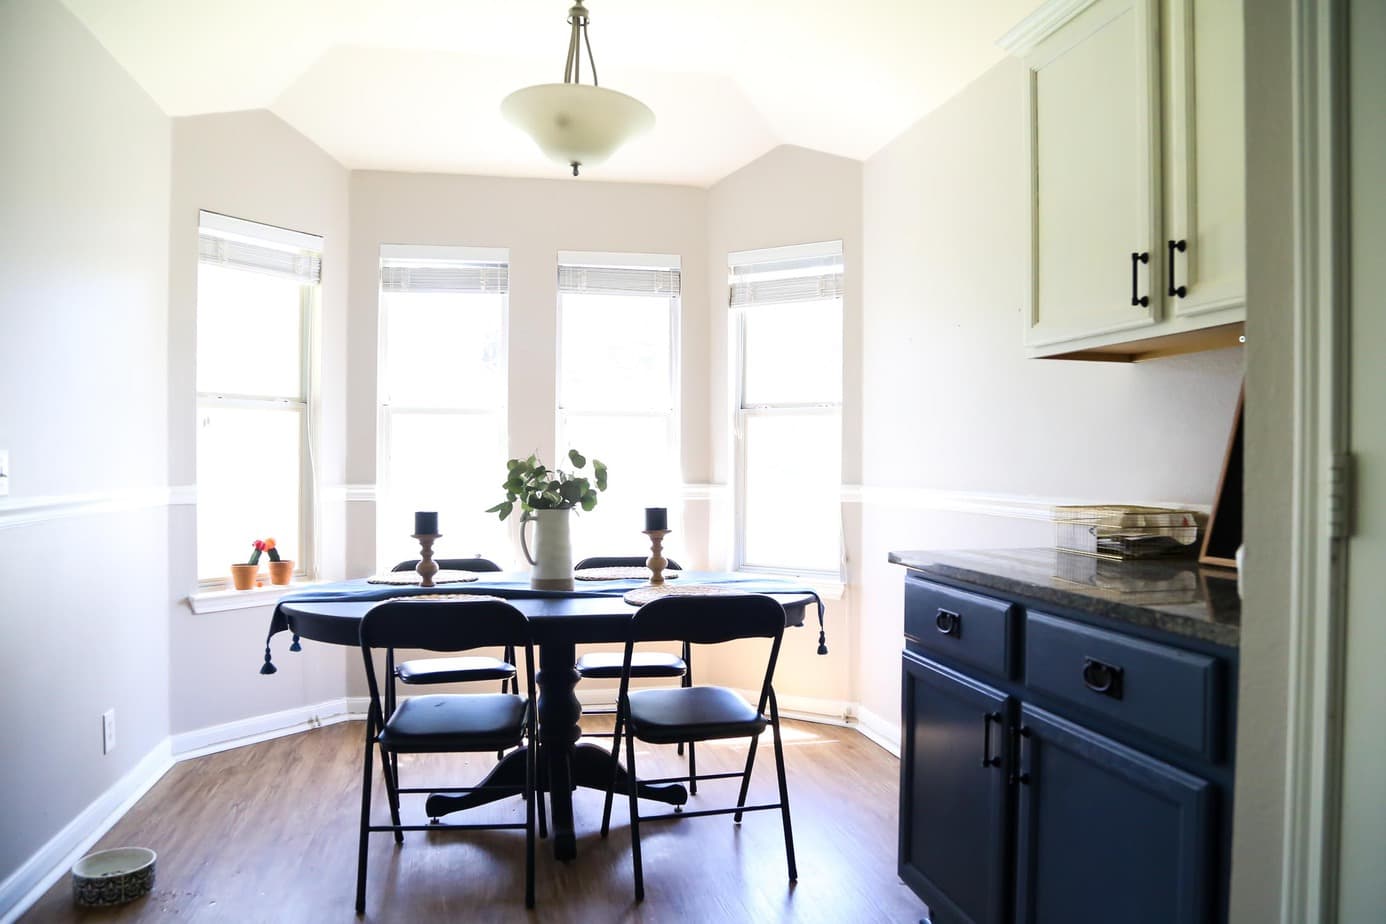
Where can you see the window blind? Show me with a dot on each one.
(234, 242)
(302, 265)
(443, 276)
(810, 272)
(618, 280)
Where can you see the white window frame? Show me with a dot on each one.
(673, 416)
(385, 410)
(309, 300)
(742, 411)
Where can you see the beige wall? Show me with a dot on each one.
(84, 166)
(951, 404)
(251, 165)
(790, 195)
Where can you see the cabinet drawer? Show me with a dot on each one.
(1171, 694)
(960, 626)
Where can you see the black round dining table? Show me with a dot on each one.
(558, 624)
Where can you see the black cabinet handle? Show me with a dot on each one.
(1142, 300)
(1020, 774)
(1176, 291)
(1103, 678)
(948, 623)
(987, 759)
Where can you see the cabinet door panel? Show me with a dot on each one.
(1205, 155)
(1095, 142)
(954, 834)
(1107, 833)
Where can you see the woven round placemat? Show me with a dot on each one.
(466, 598)
(619, 574)
(404, 578)
(641, 595)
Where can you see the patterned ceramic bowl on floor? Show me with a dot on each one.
(113, 877)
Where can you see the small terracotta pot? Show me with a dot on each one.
(243, 576)
(282, 571)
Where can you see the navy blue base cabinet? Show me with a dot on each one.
(1059, 769)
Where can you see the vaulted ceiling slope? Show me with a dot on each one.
(416, 85)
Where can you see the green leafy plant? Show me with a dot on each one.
(534, 487)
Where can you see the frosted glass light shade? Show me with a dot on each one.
(574, 123)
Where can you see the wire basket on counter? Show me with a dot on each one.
(1119, 531)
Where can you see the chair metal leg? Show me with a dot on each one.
(391, 774)
(531, 792)
(687, 681)
(746, 778)
(784, 791)
(366, 784)
(634, 816)
(615, 763)
(692, 770)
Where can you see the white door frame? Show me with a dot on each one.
(1321, 378)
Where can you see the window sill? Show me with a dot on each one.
(220, 601)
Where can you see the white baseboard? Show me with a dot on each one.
(886, 734)
(258, 728)
(27, 884)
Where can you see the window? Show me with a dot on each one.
(257, 292)
(442, 387)
(787, 314)
(618, 321)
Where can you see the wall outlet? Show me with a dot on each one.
(4, 472)
(108, 731)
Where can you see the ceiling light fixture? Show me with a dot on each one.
(573, 123)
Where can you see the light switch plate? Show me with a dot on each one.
(4, 472)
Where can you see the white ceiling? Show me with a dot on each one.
(416, 84)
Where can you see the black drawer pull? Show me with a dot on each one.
(948, 623)
(1020, 774)
(1141, 300)
(1101, 677)
(1174, 290)
(987, 759)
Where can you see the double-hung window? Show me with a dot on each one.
(257, 296)
(442, 394)
(787, 318)
(618, 323)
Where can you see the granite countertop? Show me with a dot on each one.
(1174, 595)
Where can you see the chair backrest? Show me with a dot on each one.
(452, 564)
(708, 620)
(621, 561)
(437, 625)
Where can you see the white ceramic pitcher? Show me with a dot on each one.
(552, 560)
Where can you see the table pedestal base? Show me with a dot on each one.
(590, 767)
(564, 764)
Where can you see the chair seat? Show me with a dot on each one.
(456, 722)
(607, 665)
(456, 670)
(692, 714)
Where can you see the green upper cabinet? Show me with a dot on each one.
(1137, 176)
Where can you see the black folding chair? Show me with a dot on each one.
(606, 665)
(470, 669)
(447, 722)
(666, 716)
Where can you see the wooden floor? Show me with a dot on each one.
(268, 833)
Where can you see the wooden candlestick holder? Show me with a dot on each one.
(657, 562)
(426, 567)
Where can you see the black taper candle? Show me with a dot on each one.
(426, 523)
(656, 518)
